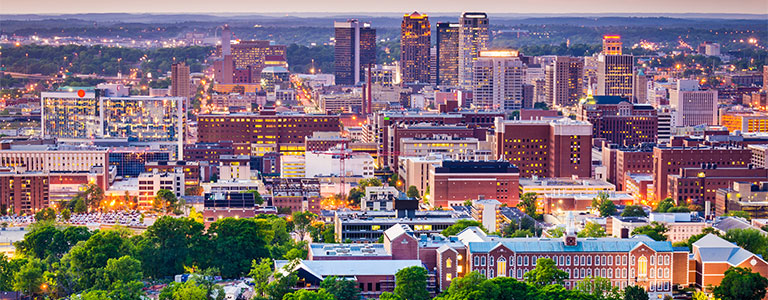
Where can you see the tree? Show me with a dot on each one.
(78, 205)
(750, 239)
(190, 290)
(592, 229)
(633, 292)
(256, 196)
(633, 211)
(235, 243)
(394, 180)
(545, 273)
(342, 289)
(260, 272)
(29, 279)
(741, 284)
(41, 241)
(302, 221)
(528, 204)
(125, 269)
(599, 287)
(165, 200)
(90, 257)
(739, 213)
(66, 214)
(170, 244)
(459, 226)
(283, 282)
(320, 294)
(557, 232)
(472, 286)
(45, 214)
(665, 205)
(93, 195)
(411, 283)
(8, 270)
(604, 205)
(413, 192)
(655, 231)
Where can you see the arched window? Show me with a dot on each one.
(448, 263)
(501, 267)
(642, 267)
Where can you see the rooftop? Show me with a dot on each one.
(324, 268)
(348, 250)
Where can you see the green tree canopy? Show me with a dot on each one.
(633, 211)
(413, 192)
(411, 284)
(459, 226)
(633, 292)
(655, 231)
(545, 273)
(342, 289)
(604, 205)
(752, 240)
(741, 284)
(592, 229)
(528, 204)
(320, 294)
(599, 287)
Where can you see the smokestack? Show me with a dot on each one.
(226, 37)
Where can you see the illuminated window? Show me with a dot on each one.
(642, 266)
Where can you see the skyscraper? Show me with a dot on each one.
(415, 39)
(447, 53)
(612, 45)
(615, 72)
(355, 50)
(180, 86)
(693, 106)
(564, 81)
(473, 38)
(498, 80)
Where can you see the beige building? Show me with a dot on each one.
(414, 170)
(456, 147)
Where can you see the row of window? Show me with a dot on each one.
(584, 260)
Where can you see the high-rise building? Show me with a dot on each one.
(612, 45)
(474, 36)
(180, 85)
(448, 53)
(692, 105)
(564, 81)
(619, 121)
(765, 78)
(498, 80)
(355, 49)
(641, 86)
(615, 76)
(559, 148)
(415, 39)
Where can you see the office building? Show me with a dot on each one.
(455, 182)
(670, 160)
(355, 50)
(558, 148)
(564, 81)
(130, 162)
(228, 205)
(699, 185)
(474, 36)
(180, 81)
(750, 197)
(759, 155)
(61, 159)
(692, 105)
(264, 128)
(498, 80)
(23, 192)
(152, 182)
(619, 121)
(415, 42)
(612, 45)
(447, 53)
(380, 198)
(295, 194)
(745, 121)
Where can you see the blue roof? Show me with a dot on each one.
(584, 245)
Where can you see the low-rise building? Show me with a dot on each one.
(455, 182)
(380, 198)
(750, 197)
(151, 183)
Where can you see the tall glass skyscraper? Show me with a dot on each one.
(447, 53)
(474, 36)
(355, 49)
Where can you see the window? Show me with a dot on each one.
(653, 260)
(533, 260)
(519, 273)
(490, 273)
(448, 263)
(632, 261)
(666, 260)
(602, 260)
(610, 273)
(448, 277)
(589, 272)
(477, 261)
(501, 267)
(583, 273)
(526, 260)
(597, 260)
(576, 260)
(568, 260)
(666, 273)
(610, 260)
(490, 261)
(519, 260)
(642, 266)
(482, 272)
(482, 260)
(659, 273)
(623, 259)
(589, 260)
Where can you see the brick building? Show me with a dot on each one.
(267, 127)
(23, 192)
(751, 197)
(455, 182)
(619, 121)
(296, 194)
(669, 160)
(699, 185)
(622, 160)
(559, 148)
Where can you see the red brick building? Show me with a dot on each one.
(267, 127)
(457, 181)
(669, 160)
(698, 185)
(296, 194)
(24, 193)
(622, 160)
(619, 121)
(560, 148)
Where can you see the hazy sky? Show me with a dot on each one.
(506, 6)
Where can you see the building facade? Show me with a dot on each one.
(447, 53)
(497, 80)
(355, 49)
(415, 42)
(474, 36)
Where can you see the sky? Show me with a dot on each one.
(276, 6)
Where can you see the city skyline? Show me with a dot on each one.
(339, 6)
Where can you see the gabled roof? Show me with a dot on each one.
(472, 234)
(713, 248)
(398, 230)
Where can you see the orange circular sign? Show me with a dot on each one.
(80, 93)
